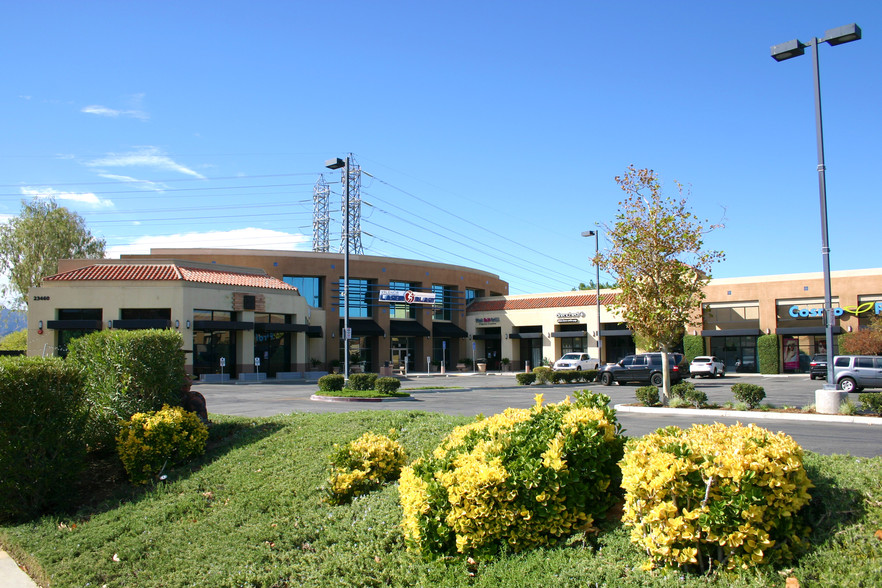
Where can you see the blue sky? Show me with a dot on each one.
(492, 131)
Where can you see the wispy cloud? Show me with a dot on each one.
(144, 157)
(134, 112)
(143, 184)
(249, 238)
(87, 198)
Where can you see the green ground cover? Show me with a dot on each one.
(250, 513)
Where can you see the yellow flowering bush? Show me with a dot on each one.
(150, 441)
(522, 478)
(715, 496)
(363, 465)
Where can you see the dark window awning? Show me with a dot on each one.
(134, 324)
(564, 334)
(448, 331)
(75, 325)
(222, 326)
(615, 333)
(487, 337)
(525, 336)
(313, 331)
(837, 330)
(408, 329)
(279, 328)
(732, 333)
(364, 327)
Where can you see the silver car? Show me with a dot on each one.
(853, 373)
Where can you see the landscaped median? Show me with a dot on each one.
(362, 388)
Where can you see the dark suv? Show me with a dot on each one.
(644, 368)
(818, 367)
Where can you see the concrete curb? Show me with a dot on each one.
(320, 398)
(753, 415)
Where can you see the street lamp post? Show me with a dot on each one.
(596, 235)
(337, 163)
(785, 51)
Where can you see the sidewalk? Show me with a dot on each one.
(10, 574)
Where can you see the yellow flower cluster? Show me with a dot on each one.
(517, 478)
(362, 465)
(150, 441)
(715, 496)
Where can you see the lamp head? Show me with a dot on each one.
(788, 50)
(335, 163)
(839, 35)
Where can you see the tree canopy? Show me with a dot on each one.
(864, 341)
(657, 258)
(32, 243)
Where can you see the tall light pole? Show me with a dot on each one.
(785, 51)
(337, 163)
(596, 235)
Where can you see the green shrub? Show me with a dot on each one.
(681, 388)
(151, 441)
(387, 385)
(767, 349)
(714, 496)
(543, 374)
(362, 382)
(15, 341)
(126, 372)
(871, 401)
(751, 394)
(693, 346)
(363, 465)
(695, 397)
(647, 395)
(564, 376)
(42, 418)
(525, 379)
(516, 480)
(331, 383)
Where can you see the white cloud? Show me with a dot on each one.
(144, 157)
(249, 238)
(82, 197)
(144, 184)
(135, 112)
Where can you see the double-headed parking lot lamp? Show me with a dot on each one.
(596, 235)
(785, 51)
(337, 163)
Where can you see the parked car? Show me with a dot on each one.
(643, 368)
(575, 361)
(818, 367)
(853, 373)
(708, 366)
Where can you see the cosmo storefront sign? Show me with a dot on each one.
(407, 296)
(797, 312)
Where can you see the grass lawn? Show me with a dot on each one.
(250, 513)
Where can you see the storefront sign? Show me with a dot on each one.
(797, 312)
(487, 321)
(570, 317)
(407, 296)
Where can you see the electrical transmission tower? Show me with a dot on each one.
(321, 216)
(355, 247)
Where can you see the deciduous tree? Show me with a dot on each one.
(657, 258)
(32, 243)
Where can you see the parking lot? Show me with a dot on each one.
(473, 394)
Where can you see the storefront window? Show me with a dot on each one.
(400, 310)
(360, 298)
(310, 287)
(209, 346)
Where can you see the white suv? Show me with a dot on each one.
(707, 365)
(576, 361)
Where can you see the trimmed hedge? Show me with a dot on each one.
(42, 419)
(362, 382)
(751, 394)
(543, 374)
(387, 385)
(126, 372)
(525, 379)
(871, 401)
(767, 349)
(647, 395)
(573, 376)
(693, 346)
(331, 383)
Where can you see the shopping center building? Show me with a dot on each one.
(280, 313)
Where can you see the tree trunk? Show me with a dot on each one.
(666, 377)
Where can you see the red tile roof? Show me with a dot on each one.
(539, 302)
(168, 272)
